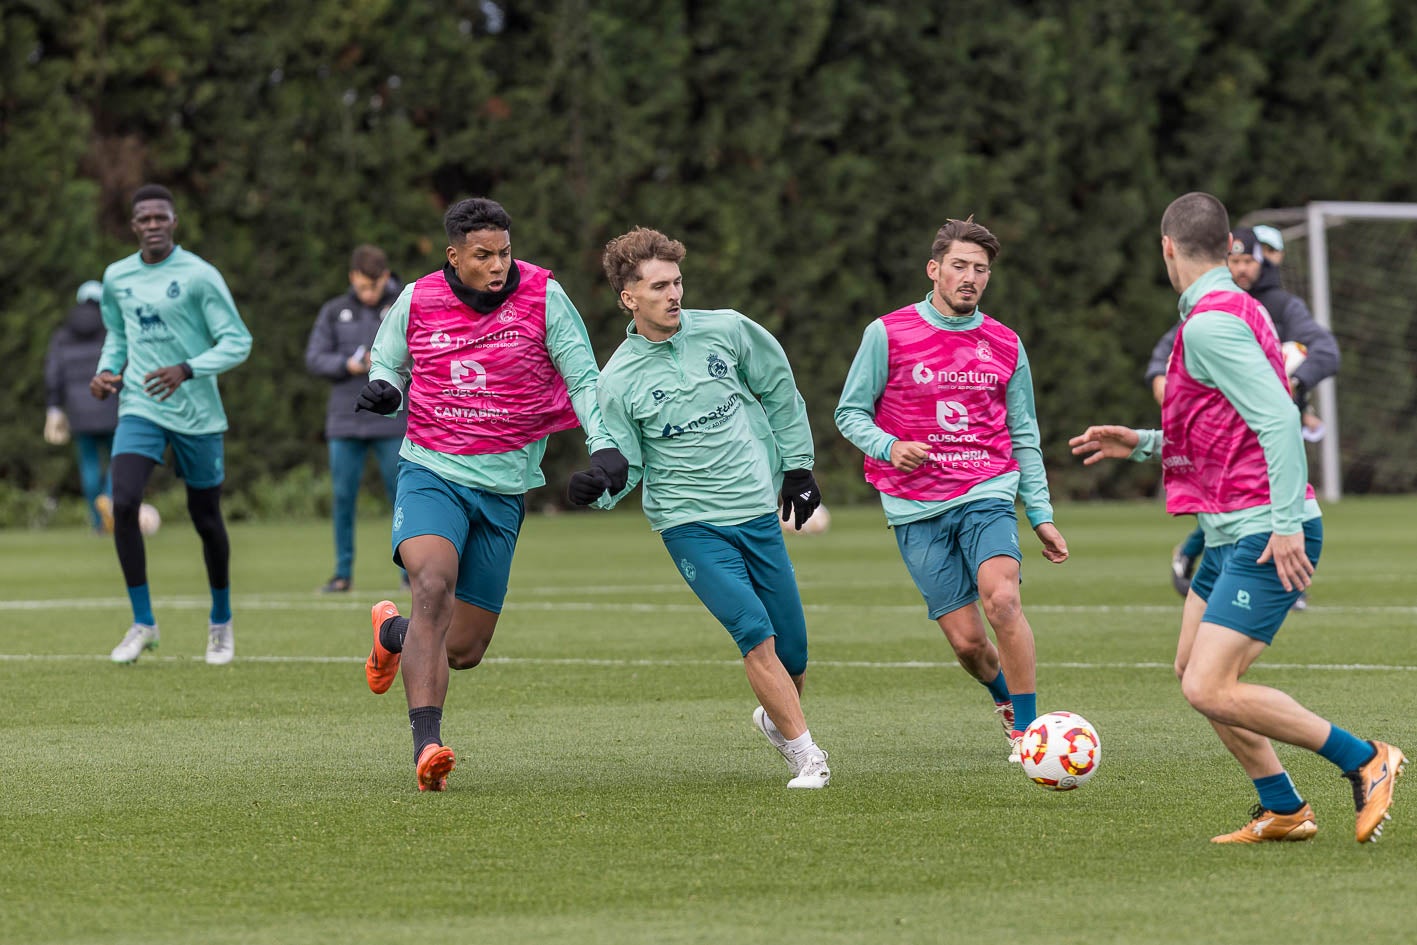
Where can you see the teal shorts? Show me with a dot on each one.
(1248, 597)
(483, 527)
(744, 577)
(198, 458)
(943, 554)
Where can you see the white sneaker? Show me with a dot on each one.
(812, 772)
(1016, 750)
(774, 737)
(139, 637)
(221, 645)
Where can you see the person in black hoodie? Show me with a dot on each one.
(338, 350)
(69, 365)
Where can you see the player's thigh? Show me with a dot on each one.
(988, 536)
(1192, 612)
(1249, 597)
(964, 628)
(469, 634)
(200, 459)
(1219, 657)
(713, 565)
(427, 506)
(937, 564)
(495, 522)
(774, 581)
(141, 437)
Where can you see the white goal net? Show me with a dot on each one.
(1356, 266)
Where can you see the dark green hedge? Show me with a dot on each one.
(805, 152)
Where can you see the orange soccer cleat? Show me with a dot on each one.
(382, 665)
(1266, 826)
(434, 763)
(1372, 790)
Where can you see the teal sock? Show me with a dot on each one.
(999, 689)
(221, 604)
(1025, 709)
(142, 605)
(1277, 794)
(1346, 750)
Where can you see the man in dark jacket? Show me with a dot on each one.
(1293, 323)
(69, 365)
(338, 351)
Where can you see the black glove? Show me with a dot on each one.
(1301, 394)
(800, 496)
(613, 465)
(586, 486)
(378, 397)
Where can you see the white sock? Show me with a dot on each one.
(801, 743)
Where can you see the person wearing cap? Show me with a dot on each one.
(69, 410)
(1271, 244)
(1292, 322)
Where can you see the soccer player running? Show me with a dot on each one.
(1231, 453)
(490, 358)
(940, 399)
(172, 322)
(704, 407)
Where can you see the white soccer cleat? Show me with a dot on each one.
(1016, 749)
(1005, 712)
(139, 637)
(812, 772)
(221, 644)
(764, 724)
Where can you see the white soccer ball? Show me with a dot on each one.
(817, 523)
(1294, 355)
(1060, 751)
(148, 519)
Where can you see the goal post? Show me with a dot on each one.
(1358, 261)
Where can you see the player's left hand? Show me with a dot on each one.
(1055, 549)
(800, 496)
(613, 464)
(586, 485)
(1295, 569)
(161, 383)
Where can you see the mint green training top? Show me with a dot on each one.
(178, 310)
(1223, 353)
(516, 471)
(856, 419)
(709, 419)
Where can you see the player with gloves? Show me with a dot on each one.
(705, 409)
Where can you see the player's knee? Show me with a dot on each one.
(1206, 698)
(466, 656)
(125, 508)
(1002, 606)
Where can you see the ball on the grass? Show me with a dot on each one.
(817, 523)
(148, 519)
(1060, 751)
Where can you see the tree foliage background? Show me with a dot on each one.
(806, 151)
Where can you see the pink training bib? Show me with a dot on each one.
(945, 388)
(483, 383)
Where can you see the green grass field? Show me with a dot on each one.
(610, 787)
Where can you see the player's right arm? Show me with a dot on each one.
(115, 343)
(389, 359)
(865, 382)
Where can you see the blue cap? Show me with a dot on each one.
(91, 291)
(1270, 237)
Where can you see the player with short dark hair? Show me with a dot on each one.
(940, 399)
(171, 321)
(1232, 455)
(488, 357)
(704, 406)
